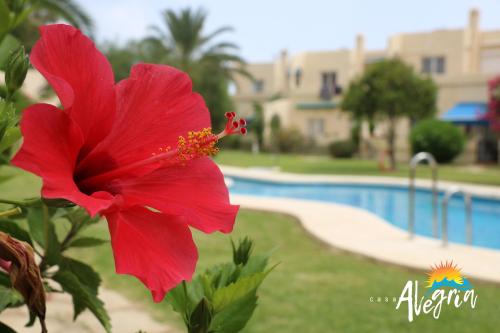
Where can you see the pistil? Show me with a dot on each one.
(195, 144)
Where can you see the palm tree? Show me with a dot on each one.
(187, 46)
(70, 11)
(47, 11)
(210, 64)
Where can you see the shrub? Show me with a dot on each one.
(290, 140)
(342, 148)
(442, 139)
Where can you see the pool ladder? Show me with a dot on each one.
(415, 161)
(468, 213)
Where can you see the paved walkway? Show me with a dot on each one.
(359, 231)
(126, 317)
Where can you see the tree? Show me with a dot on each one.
(210, 64)
(389, 90)
(49, 11)
(257, 125)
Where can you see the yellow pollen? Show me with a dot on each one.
(197, 144)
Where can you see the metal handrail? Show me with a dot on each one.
(468, 211)
(420, 157)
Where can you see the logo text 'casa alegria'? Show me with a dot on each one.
(445, 287)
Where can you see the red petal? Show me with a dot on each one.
(156, 248)
(196, 191)
(155, 106)
(50, 149)
(81, 76)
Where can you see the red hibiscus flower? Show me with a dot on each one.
(135, 152)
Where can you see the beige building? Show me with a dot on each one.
(304, 90)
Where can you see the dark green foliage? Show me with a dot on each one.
(443, 140)
(342, 149)
(356, 134)
(223, 298)
(35, 13)
(242, 253)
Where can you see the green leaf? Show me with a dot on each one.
(13, 229)
(4, 18)
(23, 16)
(255, 264)
(201, 317)
(7, 45)
(7, 116)
(185, 297)
(227, 295)
(81, 293)
(235, 316)
(35, 223)
(86, 275)
(87, 242)
(6, 329)
(80, 219)
(11, 136)
(43, 231)
(224, 274)
(8, 297)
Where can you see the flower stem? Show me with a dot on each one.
(22, 203)
(10, 212)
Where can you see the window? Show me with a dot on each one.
(490, 61)
(258, 86)
(298, 77)
(315, 127)
(328, 85)
(433, 65)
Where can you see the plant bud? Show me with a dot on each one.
(17, 68)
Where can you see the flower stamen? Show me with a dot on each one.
(195, 144)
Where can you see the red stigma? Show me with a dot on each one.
(233, 125)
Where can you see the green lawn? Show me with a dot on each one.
(487, 175)
(315, 288)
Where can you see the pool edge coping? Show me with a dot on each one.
(381, 240)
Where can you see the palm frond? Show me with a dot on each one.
(70, 11)
(214, 34)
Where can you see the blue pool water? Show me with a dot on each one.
(391, 203)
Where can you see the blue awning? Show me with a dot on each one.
(470, 113)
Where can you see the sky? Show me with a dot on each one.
(264, 27)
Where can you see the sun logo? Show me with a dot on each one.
(445, 287)
(447, 275)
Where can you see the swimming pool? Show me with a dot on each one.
(390, 202)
